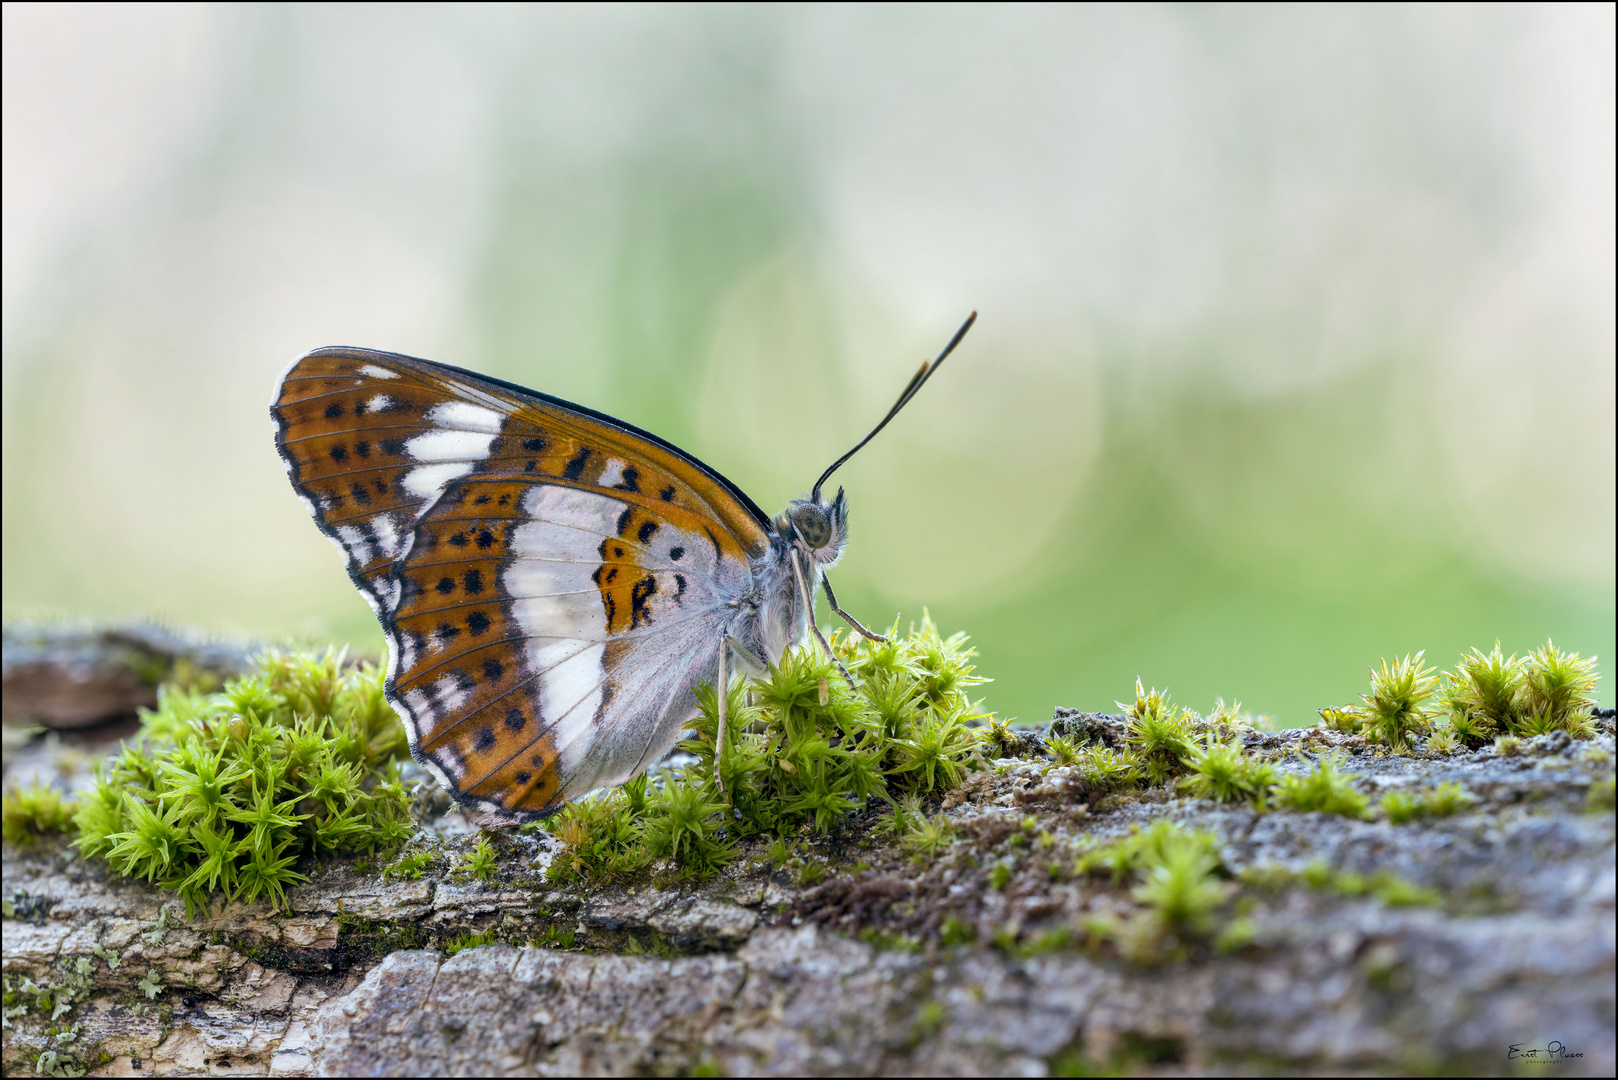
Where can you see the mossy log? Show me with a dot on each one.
(1490, 934)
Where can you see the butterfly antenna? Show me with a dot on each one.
(915, 384)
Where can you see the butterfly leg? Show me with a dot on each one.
(831, 598)
(809, 606)
(750, 664)
(722, 694)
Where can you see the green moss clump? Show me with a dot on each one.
(802, 750)
(1490, 694)
(1222, 772)
(1559, 691)
(1325, 788)
(1400, 807)
(927, 838)
(30, 814)
(1140, 850)
(1159, 735)
(953, 931)
(679, 825)
(1180, 888)
(223, 793)
(1180, 883)
(601, 836)
(481, 861)
(1320, 875)
(408, 866)
(1482, 695)
(1444, 740)
(468, 941)
(1396, 708)
(1105, 769)
(1063, 751)
(1344, 718)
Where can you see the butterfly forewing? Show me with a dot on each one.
(551, 581)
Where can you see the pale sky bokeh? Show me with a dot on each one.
(1339, 279)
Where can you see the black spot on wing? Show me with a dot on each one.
(338, 453)
(667, 494)
(646, 530)
(639, 594)
(472, 582)
(333, 411)
(676, 553)
(624, 519)
(533, 446)
(446, 585)
(630, 482)
(575, 467)
(477, 622)
(485, 738)
(493, 669)
(515, 720)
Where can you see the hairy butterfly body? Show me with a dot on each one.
(552, 582)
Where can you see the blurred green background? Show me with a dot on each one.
(1297, 334)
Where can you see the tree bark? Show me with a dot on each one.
(757, 972)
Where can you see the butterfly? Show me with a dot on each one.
(552, 582)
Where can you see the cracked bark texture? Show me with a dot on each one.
(759, 974)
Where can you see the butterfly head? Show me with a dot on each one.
(817, 527)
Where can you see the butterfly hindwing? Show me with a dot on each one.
(551, 581)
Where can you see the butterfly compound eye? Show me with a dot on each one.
(813, 525)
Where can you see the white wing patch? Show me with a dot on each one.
(449, 444)
(610, 699)
(566, 523)
(375, 372)
(554, 598)
(429, 481)
(571, 691)
(466, 417)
